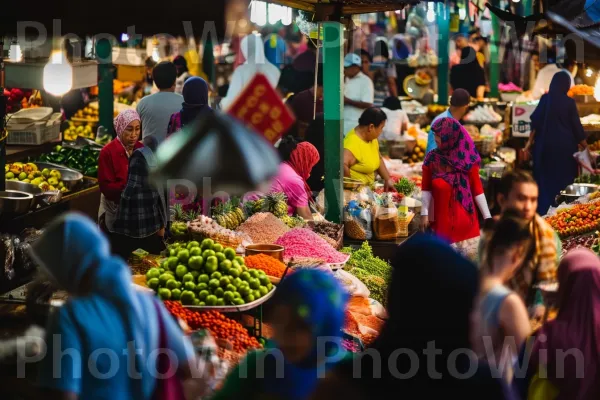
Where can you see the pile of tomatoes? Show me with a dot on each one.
(576, 220)
(218, 324)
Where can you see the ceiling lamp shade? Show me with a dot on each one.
(235, 159)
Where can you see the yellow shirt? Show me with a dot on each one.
(367, 157)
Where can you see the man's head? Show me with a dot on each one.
(460, 41)
(570, 65)
(519, 191)
(352, 65)
(475, 40)
(365, 60)
(164, 75)
(459, 103)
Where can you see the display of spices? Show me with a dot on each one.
(326, 228)
(263, 227)
(205, 227)
(271, 266)
(302, 242)
(218, 324)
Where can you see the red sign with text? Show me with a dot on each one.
(260, 107)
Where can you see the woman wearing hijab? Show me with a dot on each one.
(315, 135)
(423, 350)
(298, 160)
(182, 73)
(468, 74)
(307, 320)
(113, 166)
(110, 330)
(569, 345)
(556, 135)
(254, 52)
(275, 50)
(143, 210)
(195, 103)
(451, 186)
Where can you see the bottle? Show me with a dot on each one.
(403, 221)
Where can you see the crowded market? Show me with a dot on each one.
(260, 205)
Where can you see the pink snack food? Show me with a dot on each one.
(301, 242)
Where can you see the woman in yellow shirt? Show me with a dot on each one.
(361, 149)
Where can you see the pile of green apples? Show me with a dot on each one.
(206, 274)
(46, 179)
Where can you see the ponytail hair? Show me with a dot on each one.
(511, 230)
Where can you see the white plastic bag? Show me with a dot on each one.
(352, 284)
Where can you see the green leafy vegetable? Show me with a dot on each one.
(405, 186)
(374, 272)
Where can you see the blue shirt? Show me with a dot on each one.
(431, 137)
(87, 348)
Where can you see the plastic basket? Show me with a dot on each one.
(36, 133)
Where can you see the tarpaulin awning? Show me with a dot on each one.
(349, 6)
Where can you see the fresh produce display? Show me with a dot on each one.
(270, 266)
(588, 178)
(588, 241)
(206, 274)
(405, 186)
(374, 272)
(595, 146)
(302, 242)
(575, 220)
(483, 114)
(182, 215)
(84, 160)
(329, 229)
(229, 215)
(275, 203)
(581, 90)
(208, 228)
(46, 179)
(84, 130)
(87, 113)
(509, 88)
(263, 227)
(18, 99)
(219, 326)
(293, 221)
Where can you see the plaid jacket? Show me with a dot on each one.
(139, 213)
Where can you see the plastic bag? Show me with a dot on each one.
(585, 161)
(352, 284)
(377, 309)
(357, 222)
(386, 224)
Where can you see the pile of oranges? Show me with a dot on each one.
(218, 324)
(576, 220)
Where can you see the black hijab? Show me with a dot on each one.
(468, 74)
(195, 99)
(431, 298)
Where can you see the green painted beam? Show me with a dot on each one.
(443, 69)
(333, 74)
(495, 54)
(105, 84)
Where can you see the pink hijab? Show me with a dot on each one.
(577, 326)
(123, 120)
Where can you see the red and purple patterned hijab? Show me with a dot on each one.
(453, 159)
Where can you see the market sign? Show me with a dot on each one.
(521, 119)
(260, 107)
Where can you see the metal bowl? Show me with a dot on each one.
(40, 197)
(70, 177)
(15, 202)
(580, 189)
(272, 250)
(589, 187)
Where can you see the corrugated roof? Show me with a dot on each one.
(349, 6)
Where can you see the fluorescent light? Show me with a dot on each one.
(155, 55)
(58, 74)
(258, 12)
(274, 13)
(462, 13)
(430, 15)
(14, 52)
(286, 18)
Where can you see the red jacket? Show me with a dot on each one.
(113, 167)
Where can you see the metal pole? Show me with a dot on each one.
(495, 54)
(333, 54)
(105, 84)
(443, 23)
(2, 114)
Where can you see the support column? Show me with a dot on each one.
(208, 61)
(105, 84)
(443, 70)
(3, 101)
(333, 97)
(495, 54)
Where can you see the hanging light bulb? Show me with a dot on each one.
(589, 72)
(58, 74)
(597, 89)
(462, 13)
(286, 18)
(516, 1)
(14, 52)
(274, 13)
(430, 12)
(155, 53)
(258, 12)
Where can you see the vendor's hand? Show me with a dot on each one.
(388, 186)
(424, 223)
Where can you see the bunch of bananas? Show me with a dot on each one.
(293, 222)
(228, 215)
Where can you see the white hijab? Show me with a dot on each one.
(253, 50)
